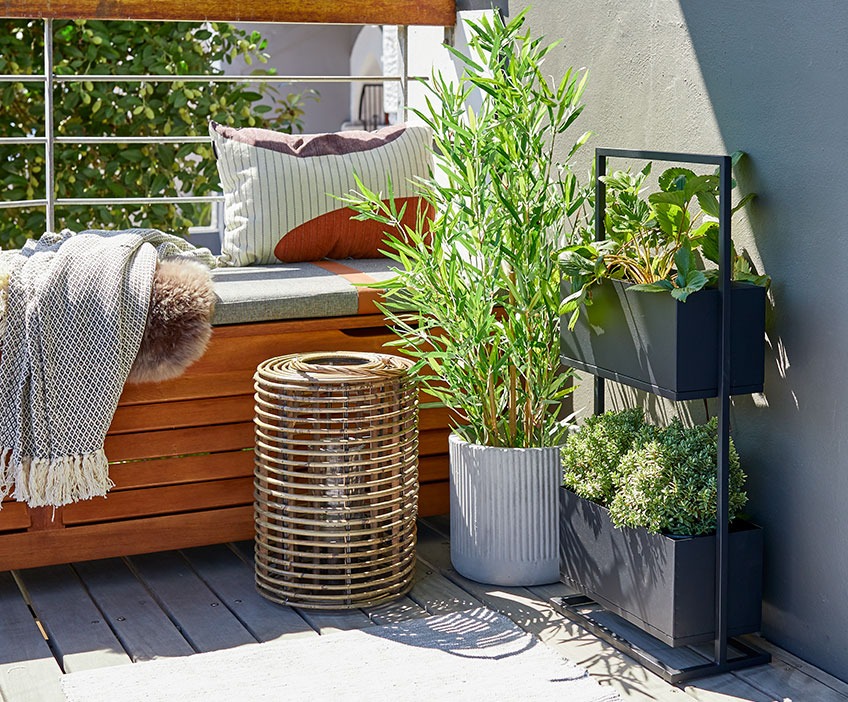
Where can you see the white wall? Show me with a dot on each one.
(365, 60)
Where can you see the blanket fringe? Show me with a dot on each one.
(53, 482)
(7, 475)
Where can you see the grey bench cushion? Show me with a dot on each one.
(295, 290)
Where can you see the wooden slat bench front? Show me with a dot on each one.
(183, 458)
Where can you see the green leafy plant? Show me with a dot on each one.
(662, 479)
(591, 456)
(127, 109)
(659, 243)
(480, 268)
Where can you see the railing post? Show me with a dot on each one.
(600, 235)
(49, 143)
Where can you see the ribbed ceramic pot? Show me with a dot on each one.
(504, 509)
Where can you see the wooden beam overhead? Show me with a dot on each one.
(408, 12)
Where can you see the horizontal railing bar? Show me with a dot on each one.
(166, 78)
(186, 139)
(181, 199)
(7, 204)
(23, 140)
(196, 139)
(193, 199)
(22, 78)
(169, 78)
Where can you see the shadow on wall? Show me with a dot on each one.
(774, 71)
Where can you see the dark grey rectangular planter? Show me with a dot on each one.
(655, 343)
(664, 585)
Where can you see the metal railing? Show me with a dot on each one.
(50, 139)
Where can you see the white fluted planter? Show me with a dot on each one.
(504, 508)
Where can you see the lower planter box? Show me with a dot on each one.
(655, 343)
(664, 585)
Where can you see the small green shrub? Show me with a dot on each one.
(669, 483)
(661, 479)
(591, 456)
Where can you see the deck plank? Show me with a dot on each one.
(718, 688)
(330, 621)
(785, 681)
(232, 580)
(721, 688)
(79, 636)
(682, 657)
(28, 671)
(140, 624)
(779, 655)
(191, 605)
(183, 586)
(245, 549)
(438, 595)
(439, 523)
(603, 662)
(403, 609)
(324, 621)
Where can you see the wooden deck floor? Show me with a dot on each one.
(120, 611)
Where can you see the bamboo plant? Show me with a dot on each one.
(476, 298)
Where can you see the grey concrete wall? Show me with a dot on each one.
(311, 50)
(767, 77)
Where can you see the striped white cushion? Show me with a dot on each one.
(279, 190)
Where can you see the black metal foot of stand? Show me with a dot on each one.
(740, 654)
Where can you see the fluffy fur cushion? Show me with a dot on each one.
(178, 323)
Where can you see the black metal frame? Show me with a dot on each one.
(751, 656)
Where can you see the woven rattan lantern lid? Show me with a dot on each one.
(332, 367)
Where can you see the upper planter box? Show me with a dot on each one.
(655, 343)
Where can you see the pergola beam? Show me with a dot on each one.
(403, 12)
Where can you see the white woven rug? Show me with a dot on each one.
(476, 655)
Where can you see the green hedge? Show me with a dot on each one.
(125, 109)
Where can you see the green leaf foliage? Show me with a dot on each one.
(130, 109)
(591, 456)
(668, 483)
(662, 479)
(480, 268)
(659, 241)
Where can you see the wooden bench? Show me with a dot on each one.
(182, 450)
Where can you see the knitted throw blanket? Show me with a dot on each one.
(75, 316)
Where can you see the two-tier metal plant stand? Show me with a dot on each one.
(728, 654)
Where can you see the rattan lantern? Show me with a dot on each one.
(336, 479)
